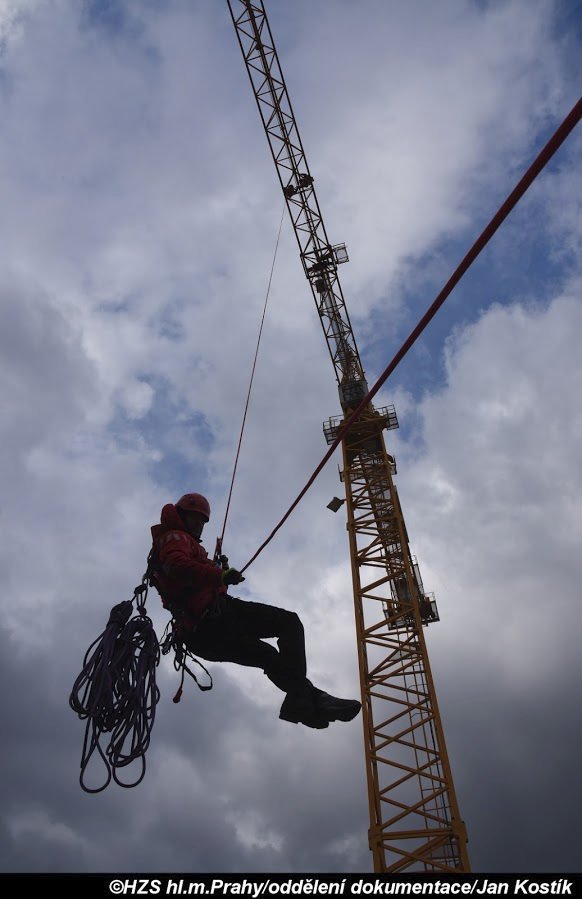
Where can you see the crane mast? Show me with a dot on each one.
(415, 824)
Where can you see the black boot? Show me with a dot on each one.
(301, 707)
(334, 709)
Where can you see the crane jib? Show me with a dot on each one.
(319, 257)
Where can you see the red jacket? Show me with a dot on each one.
(186, 579)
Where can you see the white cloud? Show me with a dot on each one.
(138, 226)
(429, 135)
(495, 498)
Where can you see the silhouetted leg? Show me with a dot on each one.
(238, 634)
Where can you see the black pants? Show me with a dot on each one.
(237, 635)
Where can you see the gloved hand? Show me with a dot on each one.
(231, 576)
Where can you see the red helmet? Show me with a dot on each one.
(194, 502)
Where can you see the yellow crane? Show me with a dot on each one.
(415, 823)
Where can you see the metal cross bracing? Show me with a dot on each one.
(320, 259)
(415, 824)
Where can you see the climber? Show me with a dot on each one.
(222, 628)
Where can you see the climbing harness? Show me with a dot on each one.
(171, 641)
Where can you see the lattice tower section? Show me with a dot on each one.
(415, 823)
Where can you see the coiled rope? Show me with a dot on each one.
(116, 691)
(557, 139)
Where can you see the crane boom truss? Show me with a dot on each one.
(319, 257)
(415, 823)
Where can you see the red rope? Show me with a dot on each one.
(517, 193)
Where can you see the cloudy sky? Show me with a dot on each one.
(139, 215)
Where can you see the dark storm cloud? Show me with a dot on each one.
(515, 762)
(201, 768)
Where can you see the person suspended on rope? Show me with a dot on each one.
(222, 628)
